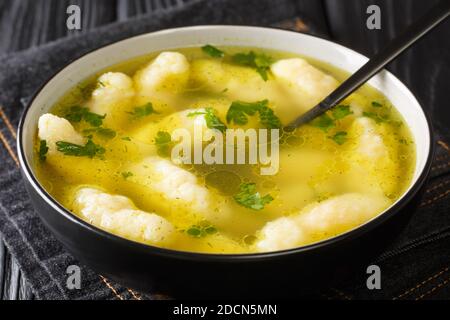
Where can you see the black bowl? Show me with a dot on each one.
(183, 274)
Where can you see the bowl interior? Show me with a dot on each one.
(326, 51)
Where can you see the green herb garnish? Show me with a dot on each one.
(43, 149)
(268, 118)
(341, 111)
(250, 198)
(213, 51)
(212, 121)
(126, 138)
(198, 231)
(90, 149)
(376, 104)
(260, 62)
(163, 142)
(77, 113)
(323, 122)
(339, 137)
(143, 111)
(239, 111)
(376, 117)
(104, 132)
(127, 174)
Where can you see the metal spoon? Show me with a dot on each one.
(413, 33)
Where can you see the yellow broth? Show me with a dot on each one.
(315, 165)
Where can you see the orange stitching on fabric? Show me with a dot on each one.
(443, 283)
(300, 26)
(407, 292)
(135, 296)
(341, 293)
(444, 165)
(438, 186)
(8, 123)
(9, 149)
(441, 158)
(439, 196)
(444, 145)
(110, 287)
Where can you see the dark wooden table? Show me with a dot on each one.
(425, 69)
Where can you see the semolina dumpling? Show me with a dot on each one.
(118, 214)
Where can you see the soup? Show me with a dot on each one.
(146, 150)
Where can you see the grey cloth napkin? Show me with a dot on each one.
(413, 267)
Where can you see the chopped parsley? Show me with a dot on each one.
(127, 174)
(198, 231)
(212, 121)
(163, 142)
(142, 111)
(213, 51)
(268, 118)
(339, 137)
(90, 149)
(126, 138)
(250, 198)
(376, 117)
(376, 104)
(77, 113)
(341, 111)
(103, 132)
(43, 149)
(258, 61)
(239, 112)
(324, 122)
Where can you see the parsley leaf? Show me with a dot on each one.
(213, 51)
(239, 111)
(268, 118)
(104, 132)
(341, 111)
(163, 142)
(260, 62)
(127, 174)
(145, 110)
(212, 121)
(376, 104)
(43, 149)
(323, 122)
(90, 149)
(198, 231)
(250, 198)
(339, 137)
(94, 119)
(77, 113)
(376, 117)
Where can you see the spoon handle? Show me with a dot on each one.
(413, 33)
